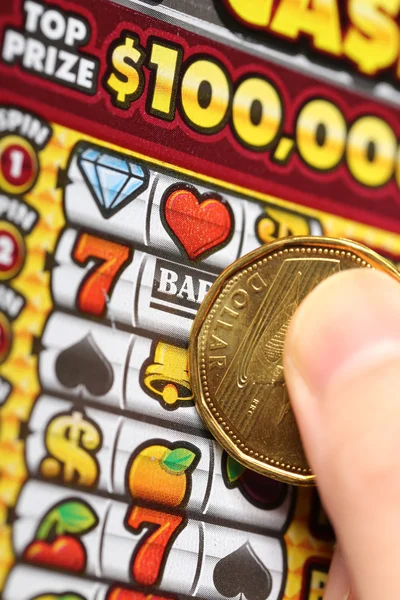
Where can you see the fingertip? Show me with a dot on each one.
(341, 361)
(348, 313)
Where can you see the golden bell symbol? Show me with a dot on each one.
(168, 375)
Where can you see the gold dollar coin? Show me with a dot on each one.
(236, 348)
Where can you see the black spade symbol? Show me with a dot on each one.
(85, 364)
(242, 573)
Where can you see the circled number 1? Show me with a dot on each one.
(17, 161)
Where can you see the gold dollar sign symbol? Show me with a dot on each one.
(126, 79)
(71, 441)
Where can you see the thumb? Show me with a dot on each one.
(342, 368)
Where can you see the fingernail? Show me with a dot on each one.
(347, 321)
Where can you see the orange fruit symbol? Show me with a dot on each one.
(160, 475)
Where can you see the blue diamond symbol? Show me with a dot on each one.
(114, 180)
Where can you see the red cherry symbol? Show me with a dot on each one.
(200, 225)
(263, 491)
(65, 552)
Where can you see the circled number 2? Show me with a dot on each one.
(12, 250)
(7, 250)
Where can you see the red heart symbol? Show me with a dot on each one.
(199, 224)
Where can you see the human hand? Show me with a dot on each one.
(342, 368)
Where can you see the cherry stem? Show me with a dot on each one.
(46, 526)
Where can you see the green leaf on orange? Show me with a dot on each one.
(234, 469)
(71, 516)
(178, 460)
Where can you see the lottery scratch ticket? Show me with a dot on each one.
(143, 148)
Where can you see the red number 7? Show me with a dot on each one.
(118, 593)
(96, 286)
(148, 560)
